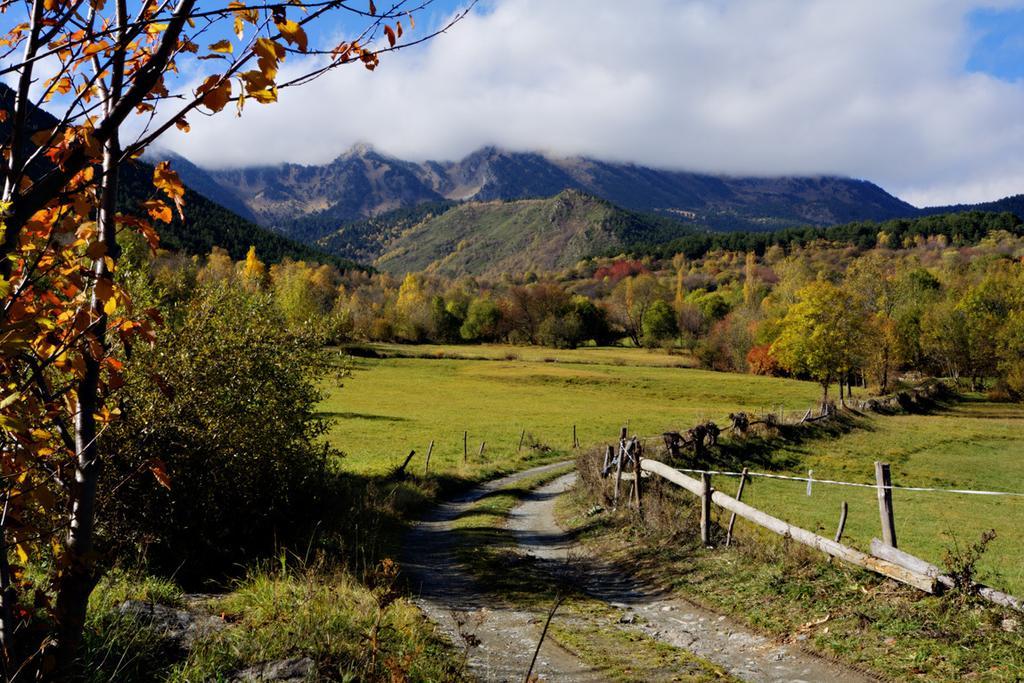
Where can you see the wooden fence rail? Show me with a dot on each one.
(881, 566)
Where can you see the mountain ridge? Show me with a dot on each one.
(363, 182)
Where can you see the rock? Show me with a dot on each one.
(627, 619)
(294, 670)
(666, 608)
(1009, 624)
(180, 626)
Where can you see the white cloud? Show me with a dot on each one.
(873, 89)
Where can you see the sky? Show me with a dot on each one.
(923, 97)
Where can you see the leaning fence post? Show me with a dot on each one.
(705, 509)
(842, 521)
(883, 479)
(522, 436)
(426, 465)
(482, 444)
(732, 518)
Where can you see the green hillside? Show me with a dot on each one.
(490, 238)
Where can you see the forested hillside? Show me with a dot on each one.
(490, 238)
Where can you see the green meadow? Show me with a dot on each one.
(390, 406)
(975, 444)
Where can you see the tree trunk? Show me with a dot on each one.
(80, 576)
(8, 600)
(885, 371)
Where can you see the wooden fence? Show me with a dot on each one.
(885, 558)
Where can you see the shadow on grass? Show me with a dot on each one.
(359, 416)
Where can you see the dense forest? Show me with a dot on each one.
(846, 313)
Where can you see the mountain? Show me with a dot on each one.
(208, 222)
(495, 237)
(358, 184)
(304, 201)
(1014, 205)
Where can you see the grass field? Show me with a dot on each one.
(603, 355)
(973, 445)
(392, 405)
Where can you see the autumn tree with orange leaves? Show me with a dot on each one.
(66, 326)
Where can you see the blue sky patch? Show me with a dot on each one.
(999, 43)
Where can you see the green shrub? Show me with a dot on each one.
(225, 405)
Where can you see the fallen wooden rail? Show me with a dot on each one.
(881, 566)
(896, 556)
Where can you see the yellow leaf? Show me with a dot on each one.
(268, 54)
(111, 306)
(293, 33)
(224, 46)
(22, 555)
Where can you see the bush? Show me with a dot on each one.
(225, 405)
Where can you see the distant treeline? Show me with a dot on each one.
(962, 228)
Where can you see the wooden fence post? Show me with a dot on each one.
(575, 441)
(883, 479)
(618, 476)
(810, 478)
(609, 454)
(842, 521)
(521, 437)
(732, 517)
(636, 473)
(465, 450)
(705, 509)
(426, 465)
(482, 444)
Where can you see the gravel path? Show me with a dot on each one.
(447, 595)
(670, 619)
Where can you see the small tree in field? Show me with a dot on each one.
(66, 324)
(821, 334)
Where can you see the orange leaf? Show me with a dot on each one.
(158, 210)
(96, 250)
(94, 48)
(390, 33)
(168, 182)
(215, 92)
(373, 8)
(159, 470)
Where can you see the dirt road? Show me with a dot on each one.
(459, 605)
